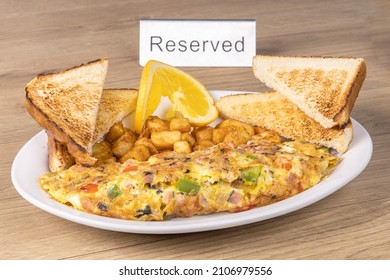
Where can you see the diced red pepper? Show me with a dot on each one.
(286, 165)
(283, 163)
(131, 168)
(90, 188)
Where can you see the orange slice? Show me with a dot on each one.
(188, 96)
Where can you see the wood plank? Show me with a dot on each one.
(42, 36)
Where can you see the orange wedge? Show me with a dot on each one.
(188, 97)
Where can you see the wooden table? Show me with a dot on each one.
(42, 36)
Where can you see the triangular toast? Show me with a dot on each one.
(324, 88)
(66, 104)
(115, 105)
(273, 111)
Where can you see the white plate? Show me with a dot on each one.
(31, 162)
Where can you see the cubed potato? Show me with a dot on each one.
(124, 143)
(204, 133)
(230, 122)
(164, 140)
(145, 133)
(236, 137)
(182, 147)
(115, 132)
(154, 123)
(139, 152)
(147, 143)
(102, 150)
(203, 144)
(180, 124)
(186, 136)
(105, 161)
(220, 133)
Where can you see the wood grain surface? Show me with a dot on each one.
(44, 36)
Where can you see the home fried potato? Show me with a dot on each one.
(180, 124)
(234, 123)
(154, 123)
(236, 137)
(124, 143)
(143, 141)
(174, 135)
(145, 133)
(103, 153)
(138, 152)
(203, 144)
(182, 147)
(220, 133)
(102, 150)
(186, 136)
(203, 133)
(165, 139)
(115, 132)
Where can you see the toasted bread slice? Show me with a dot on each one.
(66, 104)
(273, 111)
(324, 88)
(115, 105)
(59, 157)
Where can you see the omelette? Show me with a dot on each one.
(169, 184)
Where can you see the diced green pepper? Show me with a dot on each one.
(251, 174)
(251, 157)
(113, 192)
(187, 186)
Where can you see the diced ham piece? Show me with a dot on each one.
(148, 178)
(235, 198)
(167, 197)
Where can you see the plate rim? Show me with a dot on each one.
(192, 224)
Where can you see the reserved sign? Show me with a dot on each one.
(211, 43)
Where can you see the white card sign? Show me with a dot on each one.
(210, 43)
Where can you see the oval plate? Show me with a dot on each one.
(32, 161)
